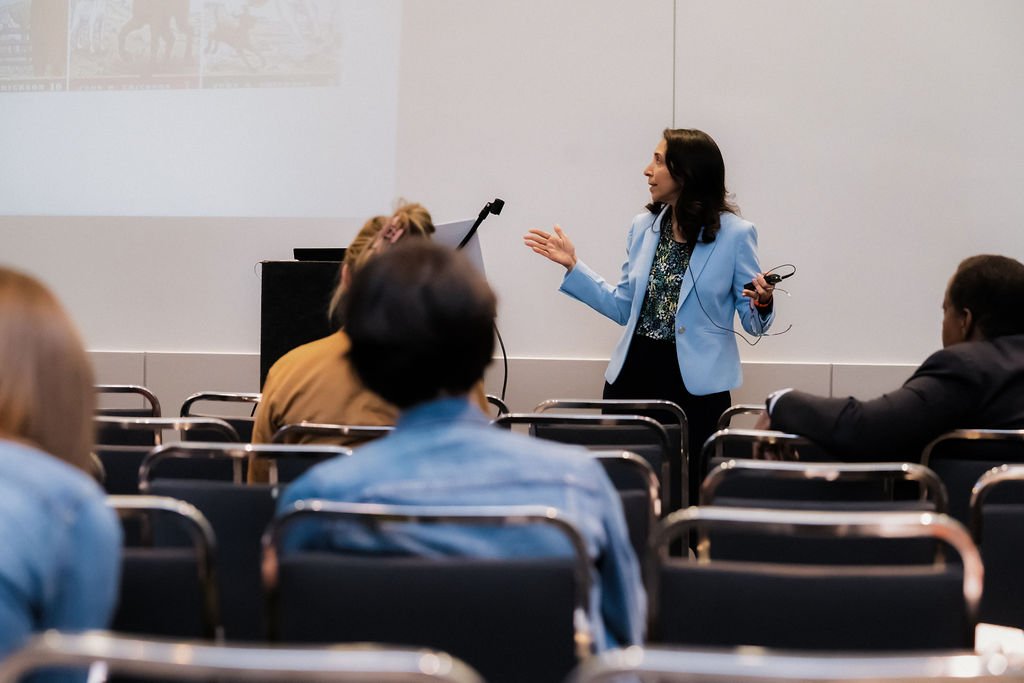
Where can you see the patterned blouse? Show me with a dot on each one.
(671, 259)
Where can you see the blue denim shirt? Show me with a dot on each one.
(446, 453)
(60, 547)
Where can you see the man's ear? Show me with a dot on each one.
(967, 324)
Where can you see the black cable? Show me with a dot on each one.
(759, 336)
(504, 357)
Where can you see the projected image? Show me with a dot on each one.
(33, 45)
(150, 44)
(133, 44)
(271, 42)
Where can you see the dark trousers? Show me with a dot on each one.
(651, 371)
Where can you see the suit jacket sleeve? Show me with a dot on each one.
(613, 302)
(895, 426)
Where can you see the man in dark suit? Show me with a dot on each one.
(975, 381)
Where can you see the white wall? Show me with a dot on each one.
(875, 144)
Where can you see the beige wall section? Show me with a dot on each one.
(119, 367)
(175, 376)
(868, 381)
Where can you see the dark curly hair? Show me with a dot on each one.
(421, 321)
(695, 162)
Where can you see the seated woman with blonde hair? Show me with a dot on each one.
(61, 544)
(315, 382)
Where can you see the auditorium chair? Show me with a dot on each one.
(637, 485)
(835, 486)
(706, 602)
(238, 514)
(643, 436)
(997, 526)
(513, 619)
(961, 456)
(174, 660)
(327, 433)
(168, 589)
(628, 437)
(242, 424)
(121, 462)
(120, 437)
(748, 665)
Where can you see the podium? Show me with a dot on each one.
(293, 306)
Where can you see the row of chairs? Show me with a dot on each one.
(932, 500)
(597, 429)
(481, 609)
(191, 661)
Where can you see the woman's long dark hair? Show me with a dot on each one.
(695, 162)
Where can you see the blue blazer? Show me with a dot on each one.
(709, 359)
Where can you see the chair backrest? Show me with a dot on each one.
(961, 456)
(850, 487)
(480, 609)
(692, 665)
(157, 425)
(712, 603)
(637, 434)
(120, 437)
(292, 433)
(668, 414)
(809, 450)
(242, 424)
(639, 491)
(238, 514)
(826, 476)
(227, 461)
(198, 661)
(121, 463)
(997, 526)
(168, 590)
(734, 411)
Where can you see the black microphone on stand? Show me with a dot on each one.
(494, 207)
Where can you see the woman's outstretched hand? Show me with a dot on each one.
(556, 246)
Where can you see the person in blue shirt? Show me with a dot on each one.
(420, 319)
(61, 544)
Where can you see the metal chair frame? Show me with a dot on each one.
(200, 661)
(760, 665)
(154, 402)
(222, 396)
(984, 486)
(932, 487)
(971, 435)
(497, 516)
(203, 539)
(780, 444)
(627, 404)
(499, 404)
(894, 525)
(644, 470)
(238, 453)
(611, 421)
(328, 430)
(158, 424)
(725, 419)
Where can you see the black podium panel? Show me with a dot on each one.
(294, 306)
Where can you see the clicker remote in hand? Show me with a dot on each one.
(770, 278)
